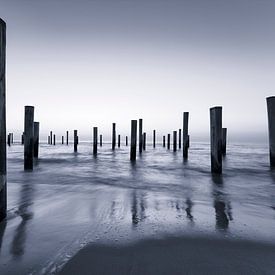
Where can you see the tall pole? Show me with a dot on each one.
(67, 137)
(95, 141)
(179, 138)
(174, 141)
(75, 141)
(163, 141)
(29, 138)
(118, 142)
(185, 138)
(271, 128)
(36, 139)
(133, 151)
(114, 137)
(154, 138)
(168, 141)
(3, 155)
(100, 140)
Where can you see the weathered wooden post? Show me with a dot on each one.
(67, 137)
(126, 140)
(140, 135)
(174, 141)
(29, 136)
(224, 140)
(49, 140)
(144, 141)
(179, 138)
(216, 139)
(185, 138)
(51, 135)
(3, 148)
(114, 137)
(163, 141)
(168, 141)
(9, 140)
(154, 138)
(118, 142)
(95, 141)
(54, 139)
(75, 140)
(271, 128)
(133, 151)
(36, 139)
(62, 140)
(100, 140)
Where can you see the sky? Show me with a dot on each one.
(85, 63)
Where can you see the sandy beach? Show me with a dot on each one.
(175, 256)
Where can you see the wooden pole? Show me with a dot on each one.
(168, 141)
(95, 141)
(216, 139)
(53, 139)
(29, 136)
(179, 138)
(163, 141)
(51, 135)
(154, 138)
(100, 140)
(118, 142)
(49, 140)
(3, 148)
(144, 141)
(224, 140)
(36, 139)
(126, 141)
(271, 128)
(9, 140)
(62, 140)
(140, 135)
(185, 138)
(114, 137)
(174, 141)
(75, 140)
(133, 151)
(22, 139)
(67, 137)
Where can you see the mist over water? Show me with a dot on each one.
(70, 200)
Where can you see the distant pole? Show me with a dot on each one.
(168, 141)
(133, 152)
(174, 141)
(216, 139)
(126, 141)
(51, 135)
(271, 128)
(163, 141)
(100, 140)
(53, 139)
(9, 140)
(154, 138)
(179, 138)
(36, 139)
(140, 135)
(22, 139)
(67, 137)
(95, 141)
(29, 136)
(49, 140)
(118, 142)
(75, 140)
(62, 140)
(3, 146)
(224, 140)
(144, 141)
(114, 137)
(185, 137)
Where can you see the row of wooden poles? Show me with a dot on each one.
(31, 133)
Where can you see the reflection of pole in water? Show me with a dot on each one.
(188, 209)
(138, 209)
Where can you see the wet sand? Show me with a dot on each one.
(175, 256)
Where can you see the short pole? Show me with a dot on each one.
(168, 141)
(126, 141)
(224, 140)
(62, 140)
(144, 141)
(100, 140)
(163, 141)
(140, 135)
(271, 128)
(75, 140)
(51, 135)
(179, 138)
(29, 138)
(9, 140)
(53, 139)
(154, 138)
(67, 137)
(95, 141)
(114, 137)
(118, 142)
(174, 141)
(185, 138)
(3, 146)
(49, 140)
(36, 139)
(133, 152)
(216, 139)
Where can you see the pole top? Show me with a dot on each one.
(216, 107)
(270, 98)
(2, 22)
(27, 106)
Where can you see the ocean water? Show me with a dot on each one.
(70, 200)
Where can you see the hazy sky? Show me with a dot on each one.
(85, 63)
